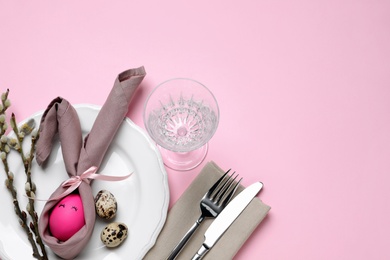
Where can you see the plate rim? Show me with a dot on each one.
(165, 183)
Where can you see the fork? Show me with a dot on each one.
(212, 203)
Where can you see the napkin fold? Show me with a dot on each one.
(61, 117)
(186, 211)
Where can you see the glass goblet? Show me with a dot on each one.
(181, 115)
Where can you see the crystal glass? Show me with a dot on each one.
(181, 115)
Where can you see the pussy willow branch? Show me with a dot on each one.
(30, 186)
(21, 214)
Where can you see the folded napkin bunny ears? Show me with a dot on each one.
(61, 117)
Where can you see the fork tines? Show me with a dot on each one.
(225, 188)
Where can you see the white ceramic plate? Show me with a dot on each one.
(142, 199)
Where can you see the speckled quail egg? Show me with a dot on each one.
(114, 234)
(105, 204)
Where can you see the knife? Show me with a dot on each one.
(226, 218)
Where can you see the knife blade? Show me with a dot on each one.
(226, 218)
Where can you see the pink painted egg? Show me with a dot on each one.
(67, 217)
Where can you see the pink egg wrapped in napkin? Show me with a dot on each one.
(81, 155)
(67, 217)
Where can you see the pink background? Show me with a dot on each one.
(303, 89)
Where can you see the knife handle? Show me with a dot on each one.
(201, 253)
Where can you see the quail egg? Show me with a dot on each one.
(114, 234)
(105, 204)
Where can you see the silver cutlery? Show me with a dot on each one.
(212, 203)
(226, 218)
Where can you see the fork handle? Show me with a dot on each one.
(185, 239)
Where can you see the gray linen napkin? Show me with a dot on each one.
(78, 154)
(186, 211)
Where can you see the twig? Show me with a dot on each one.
(21, 214)
(27, 163)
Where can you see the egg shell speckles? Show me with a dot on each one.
(106, 204)
(114, 234)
